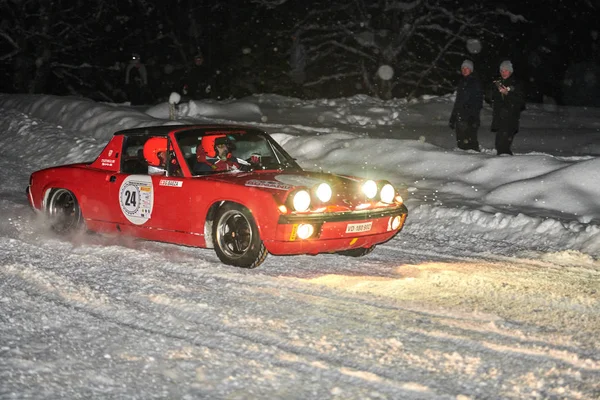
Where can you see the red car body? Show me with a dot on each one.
(115, 193)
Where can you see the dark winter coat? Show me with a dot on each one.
(507, 108)
(469, 100)
(197, 81)
(136, 74)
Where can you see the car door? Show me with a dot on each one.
(147, 204)
(150, 206)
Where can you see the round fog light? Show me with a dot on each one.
(305, 231)
(396, 222)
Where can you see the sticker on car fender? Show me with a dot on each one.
(294, 232)
(268, 184)
(361, 227)
(107, 162)
(170, 183)
(136, 198)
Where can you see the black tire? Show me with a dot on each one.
(362, 251)
(236, 238)
(63, 212)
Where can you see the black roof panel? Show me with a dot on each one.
(165, 129)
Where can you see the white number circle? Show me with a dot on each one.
(136, 198)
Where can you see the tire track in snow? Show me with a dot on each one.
(55, 289)
(344, 306)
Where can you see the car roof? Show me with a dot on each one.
(165, 129)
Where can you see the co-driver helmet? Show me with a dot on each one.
(152, 147)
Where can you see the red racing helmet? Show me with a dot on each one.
(152, 147)
(209, 143)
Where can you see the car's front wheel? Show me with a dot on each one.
(236, 238)
(361, 251)
(63, 212)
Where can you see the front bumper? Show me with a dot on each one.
(343, 216)
(332, 233)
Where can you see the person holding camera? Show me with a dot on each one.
(467, 108)
(508, 101)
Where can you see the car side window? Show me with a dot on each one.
(187, 144)
(132, 161)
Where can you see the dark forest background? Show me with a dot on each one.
(306, 49)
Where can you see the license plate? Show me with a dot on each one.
(362, 227)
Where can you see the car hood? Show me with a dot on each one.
(286, 180)
(346, 190)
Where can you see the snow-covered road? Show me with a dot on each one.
(477, 298)
(102, 317)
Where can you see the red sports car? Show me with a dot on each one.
(231, 188)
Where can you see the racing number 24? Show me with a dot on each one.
(130, 198)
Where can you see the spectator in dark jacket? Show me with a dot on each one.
(136, 81)
(467, 108)
(508, 101)
(196, 83)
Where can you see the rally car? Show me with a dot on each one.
(231, 188)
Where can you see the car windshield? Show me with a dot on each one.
(250, 150)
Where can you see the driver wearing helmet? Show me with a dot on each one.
(155, 153)
(214, 154)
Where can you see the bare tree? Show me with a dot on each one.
(388, 45)
(46, 41)
(382, 47)
(76, 46)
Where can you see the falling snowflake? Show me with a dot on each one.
(474, 46)
(385, 72)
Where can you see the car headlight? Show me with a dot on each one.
(324, 192)
(369, 188)
(301, 200)
(387, 193)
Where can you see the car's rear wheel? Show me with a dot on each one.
(362, 251)
(236, 238)
(63, 212)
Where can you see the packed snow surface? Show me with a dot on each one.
(492, 290)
